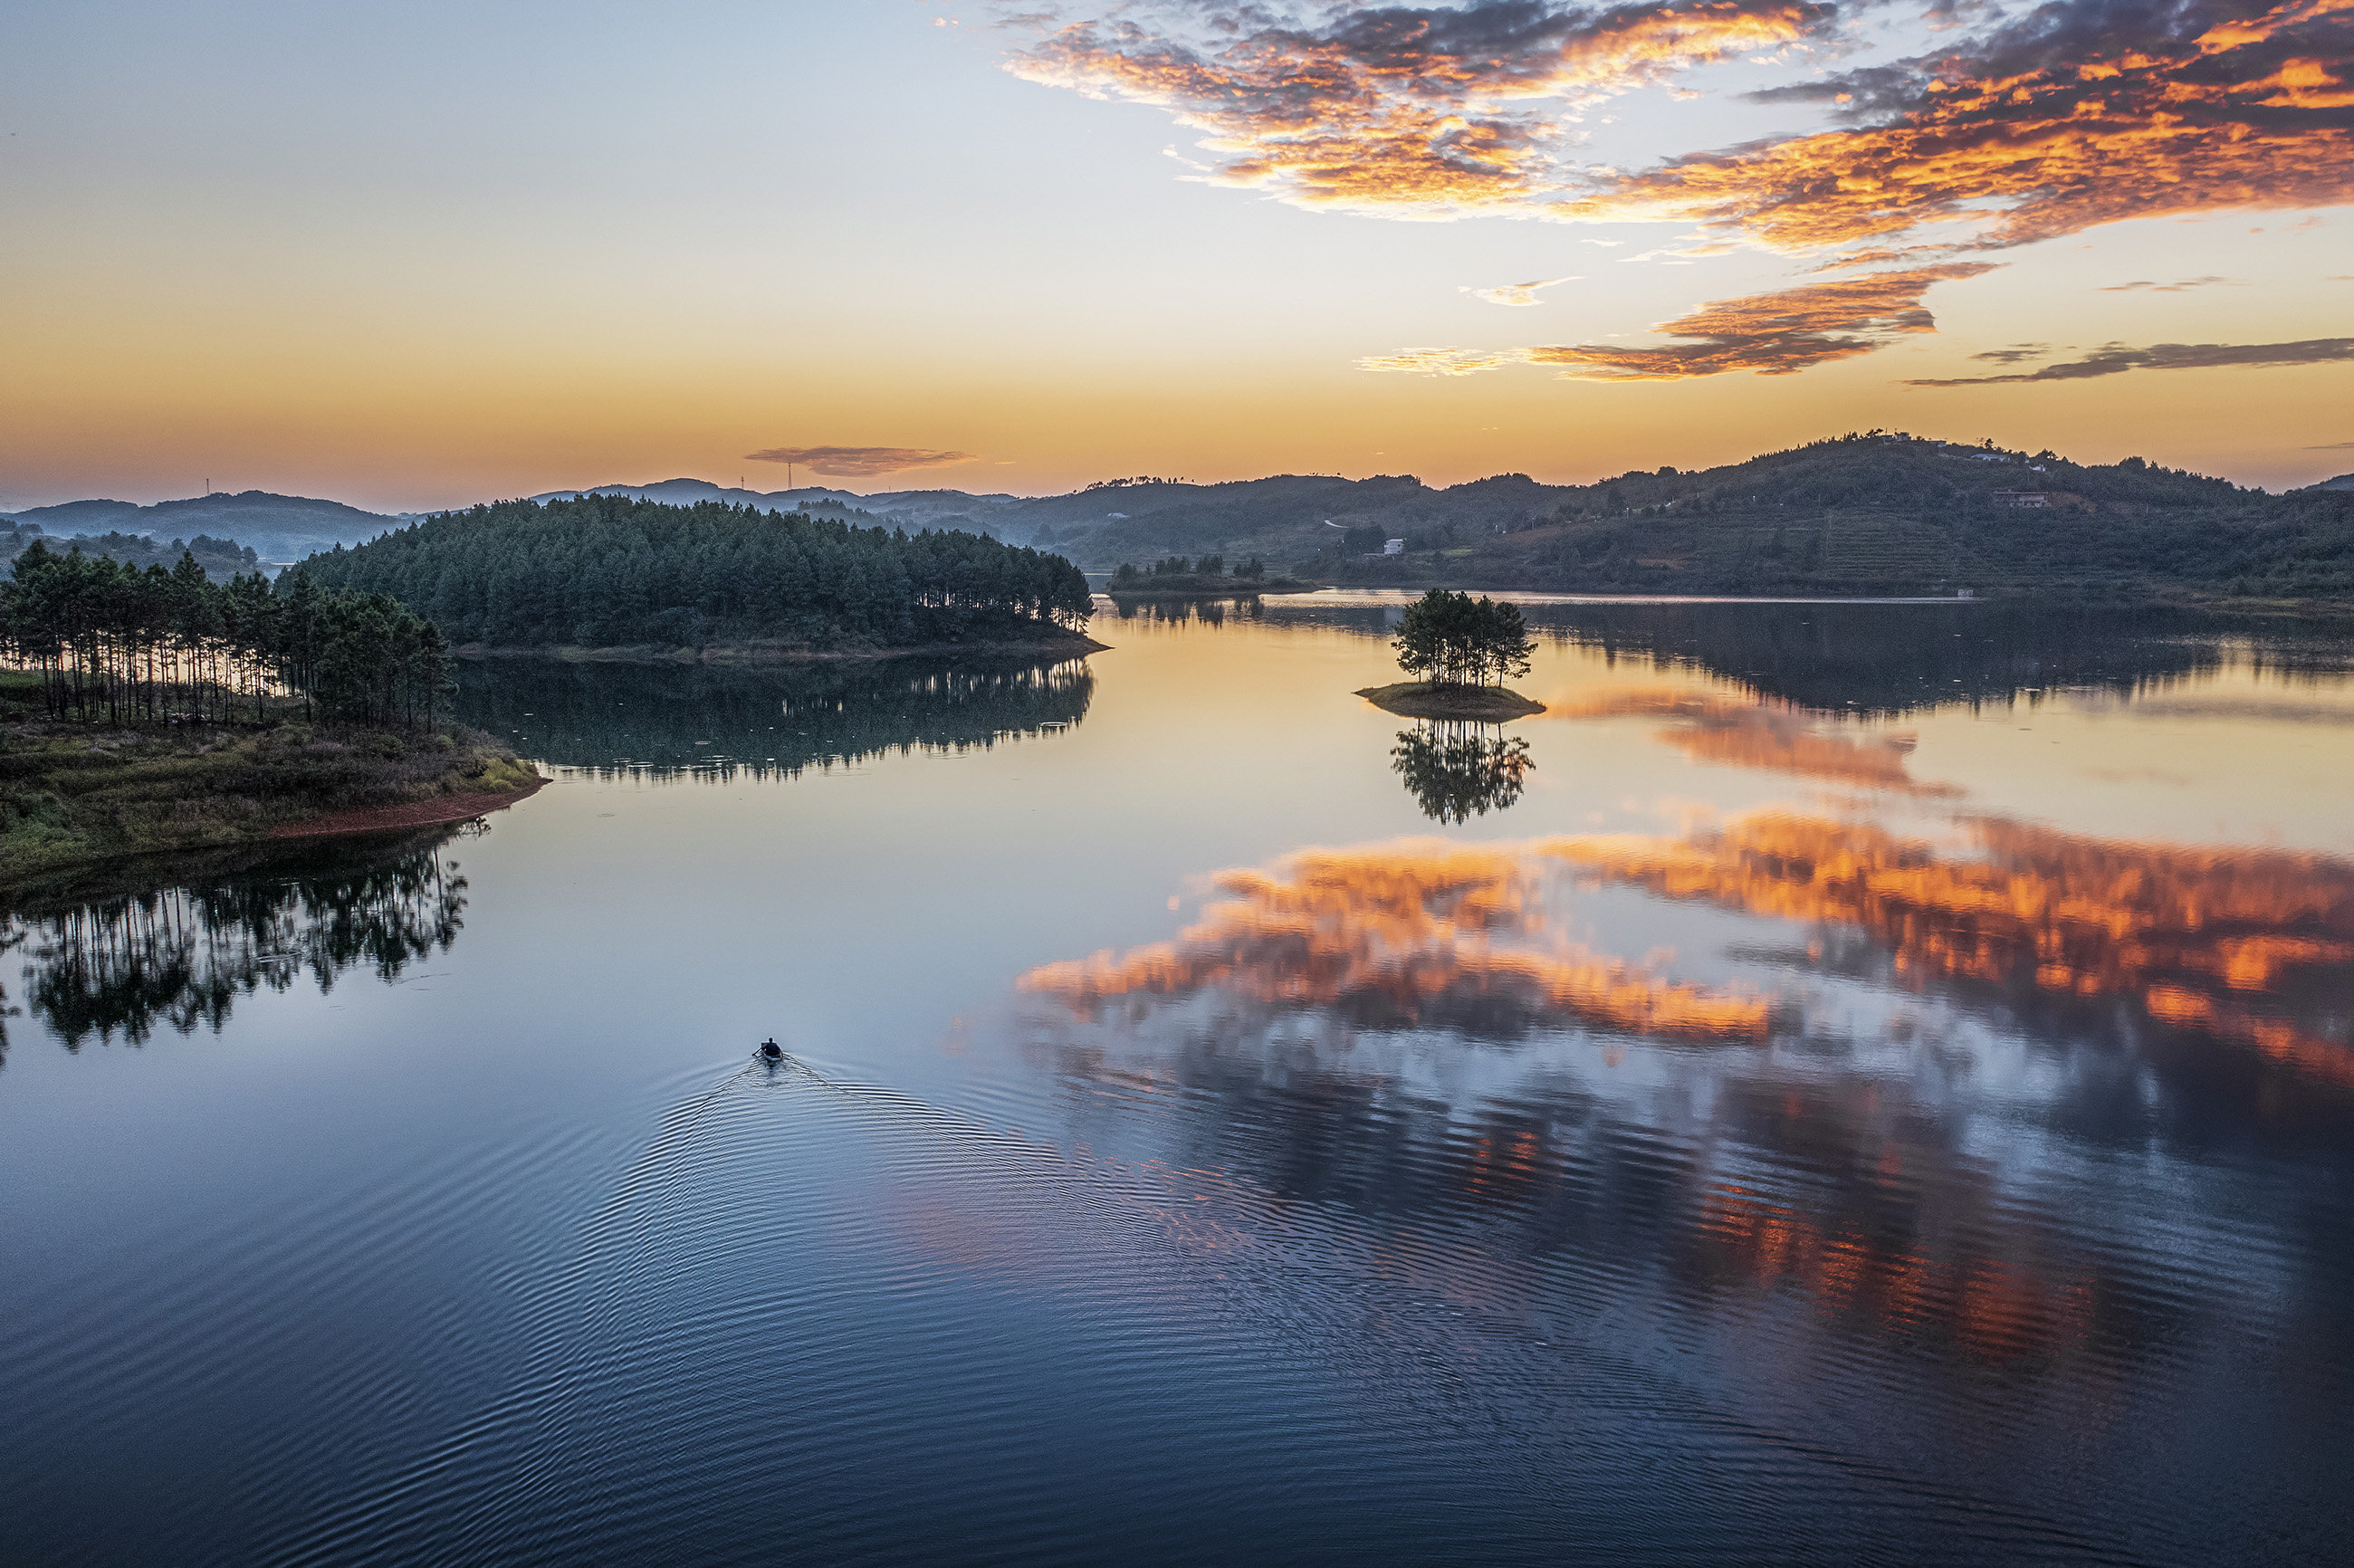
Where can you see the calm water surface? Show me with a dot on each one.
(1844, 1084)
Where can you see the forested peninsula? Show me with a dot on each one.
(158, 710)
(609, 572)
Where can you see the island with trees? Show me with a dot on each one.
(1175, 576)
(629, 578)
(153, 710)
(1463, 649)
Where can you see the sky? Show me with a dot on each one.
(421, 254)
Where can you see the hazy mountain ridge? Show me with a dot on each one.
(1878, 513)
(277, 528)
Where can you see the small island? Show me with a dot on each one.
(1209, 578)
(1443, 700)
(150, 711)
(1464, 650)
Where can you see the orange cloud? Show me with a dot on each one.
(1411, 931)
(2255, 948)
(1775, 736)
(2070, 116)
(2205, 938)
(2040, 128)
(1395, 108)
(1777, 333)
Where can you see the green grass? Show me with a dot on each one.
(1442, 700)
(73, 792)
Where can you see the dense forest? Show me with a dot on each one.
(608, 571)
(119, 644)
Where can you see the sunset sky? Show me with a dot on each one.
(422, 254)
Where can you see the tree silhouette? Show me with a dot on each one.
(1452, 639)
(1456, 770)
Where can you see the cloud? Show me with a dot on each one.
(2067, 117)
(1517, 294)
(1408, 109)
(2117, 359)
(857, 463)
(1777, 333)
(1419, 930)
(2017, 127)
(2332, 447)
(2017, 354)
(1745, 734)
(2146, 286)
(2245, 947)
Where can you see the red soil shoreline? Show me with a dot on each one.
(409, 814)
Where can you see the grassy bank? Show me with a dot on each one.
(80, 793)
(1447, 700)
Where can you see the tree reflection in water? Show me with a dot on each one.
(179, 957)
(1457, 770)
(717, 722)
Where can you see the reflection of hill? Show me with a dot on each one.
(699, 720)
(1893, 659)
(181, 956)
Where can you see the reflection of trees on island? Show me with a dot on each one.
(718, 722)
(179, 957)
(1457, 770)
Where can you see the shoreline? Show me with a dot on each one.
(1443, 700)
(458, 807)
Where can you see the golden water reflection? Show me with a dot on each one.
(2256, 947)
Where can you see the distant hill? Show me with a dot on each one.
(909, 508)
(221, 558)
(1880, 514)
(278, 529)
(2343, 481)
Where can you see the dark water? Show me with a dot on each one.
(1845, 1084)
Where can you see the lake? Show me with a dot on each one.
(1845, 1083)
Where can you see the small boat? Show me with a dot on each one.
(771, 1052)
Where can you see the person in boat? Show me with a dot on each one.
(770, 1051)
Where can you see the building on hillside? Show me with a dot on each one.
(2030, 498)
(1393, 547)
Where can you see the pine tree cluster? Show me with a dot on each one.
(113, 642)
(610, 570)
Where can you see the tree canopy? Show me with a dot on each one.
(1454, 639)
(610, 570)
(122, 644)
